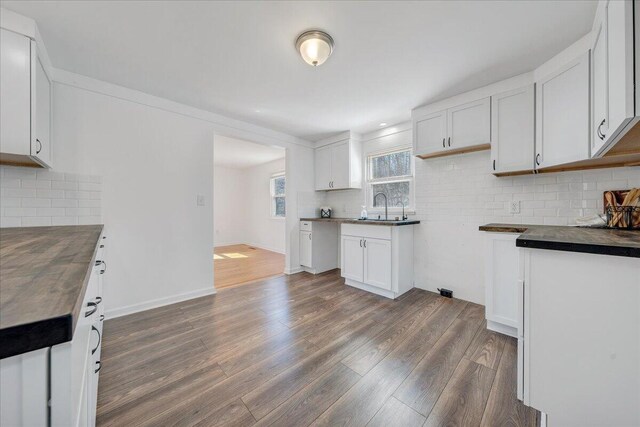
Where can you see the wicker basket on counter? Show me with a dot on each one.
(622, 208)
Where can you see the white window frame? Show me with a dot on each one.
(272, 195)
(410, 209)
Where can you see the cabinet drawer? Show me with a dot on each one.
(305, 225)
(371, 231)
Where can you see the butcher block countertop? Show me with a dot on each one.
(388, 223)
(602, 241)
(44, 273)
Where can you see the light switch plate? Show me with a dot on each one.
(514, 207)
(200, 200)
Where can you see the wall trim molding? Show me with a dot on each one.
(224, 124)
(159, 302)
(289, 271)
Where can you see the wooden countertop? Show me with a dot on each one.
(389, 223)
(603, 241)
(43, 278)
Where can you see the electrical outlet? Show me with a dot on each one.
(200, 200)
(514, 207)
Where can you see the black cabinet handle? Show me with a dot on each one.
(93, 307)
(101, 317)
(538, 159)
(93, 328)
(101, 246)
(443, 146)
(600, 134)
(98, 300)
(104, 264)
(365, 243)
(309, 236)
(39, 149)
(494, 164)
(99, 366)
(449, 142)
(360, 242)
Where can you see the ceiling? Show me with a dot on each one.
(238, 58)
(240, 154)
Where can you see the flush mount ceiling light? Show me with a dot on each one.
(315, 47)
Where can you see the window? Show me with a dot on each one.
(390, 173)
(278, 207)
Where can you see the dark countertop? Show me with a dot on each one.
(603, 241)
(389, 223)
(43, 278)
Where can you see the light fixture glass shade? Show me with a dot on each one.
(315, 47)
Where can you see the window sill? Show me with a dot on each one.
(278, 218)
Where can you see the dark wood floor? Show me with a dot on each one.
(301, 350)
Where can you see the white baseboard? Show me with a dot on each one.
(293, 270)
(502, 329)
(266, 248)
(159, 302)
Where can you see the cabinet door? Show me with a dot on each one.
(41, 142)
(502, 273)
(305, 249)
(340, 164)
(15, 87)
(469, 124)
(562, 115)
(352, 258)
(600, 82)
(430, 133)
(512, 130)
(620, 44)
(323, 167)
(377, 263)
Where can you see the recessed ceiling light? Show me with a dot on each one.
(383, 124)
(314, 46)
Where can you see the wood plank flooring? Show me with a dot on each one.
(308, 350)
(236, 265)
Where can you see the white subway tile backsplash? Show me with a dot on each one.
(30, 197)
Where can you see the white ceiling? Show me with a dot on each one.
(237, 58)
(237, 153)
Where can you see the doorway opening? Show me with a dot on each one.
(249, 211)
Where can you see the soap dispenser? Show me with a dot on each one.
(363, 213)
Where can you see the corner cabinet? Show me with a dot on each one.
(460, 129)
(338, 165)
(377, 258)
(612, 74)
(318, 244)
(562, 115)
(25, 105)
(513, 130)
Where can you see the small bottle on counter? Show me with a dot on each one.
(363, 213)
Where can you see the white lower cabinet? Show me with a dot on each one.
(352, 258)
(318, 244)
(378, 259)
(58, 386)
(502, 275)
(581, 334)
(377, 263)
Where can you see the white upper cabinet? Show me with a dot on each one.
(323, 168)
(430, 133)
(612, 79)
(25, 104)
(15, 86)
(562, 115)
(338, 165)
(513, 130)
(469, 124)
(459, 129)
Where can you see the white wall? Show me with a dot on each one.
(229, 206)
(241, 211)
(457, 194)
(263, 230)
(155, 156)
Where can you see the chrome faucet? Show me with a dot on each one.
(386, 210)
